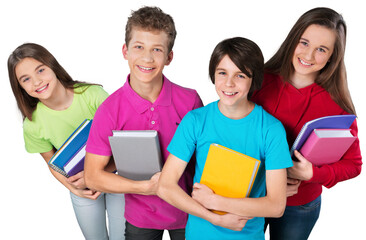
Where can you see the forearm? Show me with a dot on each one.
(62, 179)
(98, 176)
(251, 207)
(108, 182)
(271, 205)
(176, 196)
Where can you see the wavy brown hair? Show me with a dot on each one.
(151, 19)
(26, 103)
(332, 77)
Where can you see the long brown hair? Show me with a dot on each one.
(332, 77)
(26, 103)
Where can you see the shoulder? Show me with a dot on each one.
(268, 121)
(269, 91)
(89, 89)
(183, 90)
(114, 98)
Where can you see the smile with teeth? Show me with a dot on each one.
(304, 63)
(230, 93)
(42, 88)
(144, 68)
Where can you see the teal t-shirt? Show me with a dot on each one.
(50, 128)
(258, 135)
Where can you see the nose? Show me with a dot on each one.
(148, 56)
(309, 54)
(229, 81)
(37, 81)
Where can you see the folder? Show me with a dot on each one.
(229, 173)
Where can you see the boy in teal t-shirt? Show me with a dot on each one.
(239, 124)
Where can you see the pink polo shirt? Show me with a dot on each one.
(125, 109)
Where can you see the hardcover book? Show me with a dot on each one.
(326, 146)
(328, 122)
(229, 173)
(71, 146)
(137, 154)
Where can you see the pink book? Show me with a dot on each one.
(326, 146)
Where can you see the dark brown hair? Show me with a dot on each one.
(26, 103)
(332, 77)
(151, 19)
(246, 55)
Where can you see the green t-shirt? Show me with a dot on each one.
(50, 128)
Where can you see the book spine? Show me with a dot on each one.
(57, 169)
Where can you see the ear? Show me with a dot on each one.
(170, 58)
(125, 51)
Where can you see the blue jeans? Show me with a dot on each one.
(91, 216)
(296, 223)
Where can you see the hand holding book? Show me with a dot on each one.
(302, 169)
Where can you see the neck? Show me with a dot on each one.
(236, 112)
(300, 81)
(61, 99)
(147, 90)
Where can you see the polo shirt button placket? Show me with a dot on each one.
(153, 119)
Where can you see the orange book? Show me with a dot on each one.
(229, 173)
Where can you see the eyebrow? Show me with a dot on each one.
(320, 45)
(142, 43)
(41, 65)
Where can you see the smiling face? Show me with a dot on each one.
(232, 86)
(37, 79)
(313, 51)
(147, 54)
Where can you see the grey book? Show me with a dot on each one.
(137, 154)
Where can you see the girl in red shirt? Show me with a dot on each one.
(304, 80)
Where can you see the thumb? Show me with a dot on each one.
(196, 185)
(299, 156)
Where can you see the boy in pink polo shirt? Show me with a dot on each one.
(147, 101)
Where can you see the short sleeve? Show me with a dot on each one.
(183, 143)
(277, 154)
(33, 143)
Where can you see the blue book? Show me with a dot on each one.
(329, 122)
(72, 144)
(76, 162)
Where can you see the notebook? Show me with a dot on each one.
(137, 154)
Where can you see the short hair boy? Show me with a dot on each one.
(236, 68)
(147, 101)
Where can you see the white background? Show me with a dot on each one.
(87, 36)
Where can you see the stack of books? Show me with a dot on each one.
(69, 158)
(325, 140)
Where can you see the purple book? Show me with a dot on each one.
(329, 122)
(76, 162)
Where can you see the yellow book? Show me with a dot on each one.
(229, 173)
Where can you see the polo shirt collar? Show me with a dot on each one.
(140, 104)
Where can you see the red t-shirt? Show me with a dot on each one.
(294, 107)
